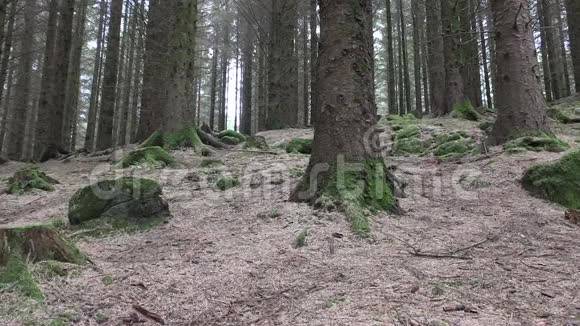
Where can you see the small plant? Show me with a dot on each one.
(301, 239)
(226, 183)
(107, 280)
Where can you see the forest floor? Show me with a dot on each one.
(471, 248)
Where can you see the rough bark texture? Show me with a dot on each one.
(486, 75)
(544, 53)
(557, 72)
(520, 104)
(313, 60)
(454, 83)
(391, 90)
(573, 11)
(347, 104)
(247, 63)
(417, 26)
(436, 58)
(283, 66)
(4, 75)
(105, 130)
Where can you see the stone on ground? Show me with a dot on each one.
(258, 142)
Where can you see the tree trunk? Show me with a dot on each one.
(573, 12)
(347, 116)
(547, 75)
(417, 26)
(557, 75)
(391, 89)
(454, 83)
(520, 104)
(247, 61)
(6, 74)
(96, 81)
(485, 64)
(313, 60)
(436, 58)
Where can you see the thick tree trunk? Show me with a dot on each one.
(557, 75)
(520, 104)
(573, 12)
(436, 58)
(313, 60)
(6, 73)
(391, 89)
(417, 26)
(470, 53)
(110, 74)
(547, 75)
(454, 83)
(341, 155)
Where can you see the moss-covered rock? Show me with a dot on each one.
(184, 138)
(450, 136)
(559, 115)
(225, 183)
(398, 122)
(455, 149)
(208, 162)
(299, 145)
(230, 140)
(410, 146)
(465, 111)
(486, 126)
(20, 245)
(30, 178)
(258, 142)
(154, 156)
(558, 181)
(538, 143)
(232, 134)
(411, 131)
(121, 202)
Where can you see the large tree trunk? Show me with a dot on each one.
(417, 26)
(436, 58)
(110, 74)
(544, 53)
(454, 83)
(313, 60)
(391, 89)
(342, 156)
(520, 104)
(470, 52)
(573, 12)
(4, 74)
(557, 74)
(282, 68)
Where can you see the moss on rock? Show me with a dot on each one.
(225, 183)
(299, 145)
(465, 111)
(28, 179)
(538, 143)
(411, 131)
(230, 140)
(455, 149)
(258, 142)
(232, 134)
(35, 243)
(149, 156)
(486, 126)
(210, 162)
(558, 181)
(122, 202)
(450, 136)
(410, 146)
(559, 115)
(398, 122)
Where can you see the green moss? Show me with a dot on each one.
(233, 134)
(230, 140)
(407, 132)
(558, 181)
(397, 122)
(210, 162)
(258, 142)
(465, 111)
(455, 149)
(225, 183)
(559, 115)
(15, 274)
(538, 143)
(451, 136)
(107, 280)
(299, 145)
(410, 146)
(184, 138)
(148, 156)
(93, 201)
(486, 126)
(30, 178)
(301, 239)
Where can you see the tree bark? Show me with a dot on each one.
(454, 83)
(520, 104)
(436, 58)
(573, 12)
(557, 75)
(6, 73)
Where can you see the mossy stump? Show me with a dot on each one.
(21, 245)
(258, 142)
(30, 178)
(154, 156)
(558, 181)
(121, 202)
(299, 145)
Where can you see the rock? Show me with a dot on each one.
(258, 142)
(558, 181)
(30, 178)
(123, 201)
(154, 156)
(230, 140)
(299, 145)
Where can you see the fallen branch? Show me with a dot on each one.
(151, 315)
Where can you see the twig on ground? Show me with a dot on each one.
(151, 315)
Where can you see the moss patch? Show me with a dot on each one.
(454, 147)
(397, 122)
(300, 145)
(258, 142)
(301, 239)
(30, 178)
(411, 131)
(486, 126)
(15, 275)
(210, 162)
(233, 134)
(410, 146)
(125, 201)
(184, 138)
(538, 143)
(154, 156)
(230, 140)
(558, 181)
(559, 115)
(225, 183)
(465, 111)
